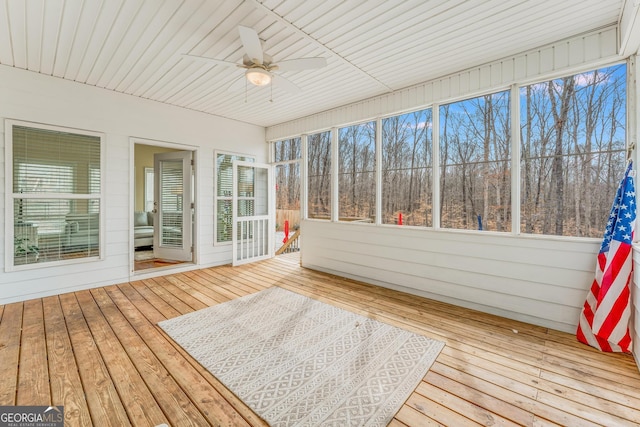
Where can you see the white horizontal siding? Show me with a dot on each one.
(33, 97)
(577, 53)
(537, 280)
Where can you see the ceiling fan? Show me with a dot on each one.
(259, 67)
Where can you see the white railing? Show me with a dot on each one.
(253, 239)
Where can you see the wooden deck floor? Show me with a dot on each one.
(100, 354)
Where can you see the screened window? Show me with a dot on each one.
(288, 149)
(572, 155)
(56, 184)
(573, 151)
(475, 183)
(319, 171)
(224, 195)
(357, 172)
(406, 169)
(287, 154)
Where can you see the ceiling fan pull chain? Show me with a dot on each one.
(271, 87)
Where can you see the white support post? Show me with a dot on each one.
(335, 153)
(435, 162)
(516, 188)
(378, 219)
(304, 177)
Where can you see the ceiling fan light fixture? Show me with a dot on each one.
(258, 76)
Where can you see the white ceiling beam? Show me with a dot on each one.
(629, 28)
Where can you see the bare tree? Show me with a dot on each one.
(572, 152)
(319, 174)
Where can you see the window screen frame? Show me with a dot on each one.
(9, 266)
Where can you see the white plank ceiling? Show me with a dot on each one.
(371, 46)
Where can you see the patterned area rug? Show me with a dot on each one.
(299, 362)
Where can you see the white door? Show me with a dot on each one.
(172, 225)
(253, 211)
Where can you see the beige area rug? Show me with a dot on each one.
(143, 255)
(299, 362)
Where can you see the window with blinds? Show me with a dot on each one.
(171, 191)
(224, 195)
(56, 192)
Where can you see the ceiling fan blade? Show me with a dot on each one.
(285, 84)
(301, 64)
(251, 43)
(209, 60)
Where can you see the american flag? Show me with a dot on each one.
(604, 321)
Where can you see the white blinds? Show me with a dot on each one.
(47, 161)
(56, 194)
(224, 192)
(171, 198)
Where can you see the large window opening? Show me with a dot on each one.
(287, 155)
(475, 154)
(573, 151)
(407, 169)
(572, 154)
(319, 172)
(357, 173)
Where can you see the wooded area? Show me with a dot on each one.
(319, 172)
(573, 154)
(475, 145)
(287, 176)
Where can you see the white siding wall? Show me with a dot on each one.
(543, 281)
(37, 98)
(538, 279)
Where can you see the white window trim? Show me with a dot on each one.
(9, 213)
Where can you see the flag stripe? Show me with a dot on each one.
(604, 320)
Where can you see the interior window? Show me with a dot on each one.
(56, 195)
(224, 195)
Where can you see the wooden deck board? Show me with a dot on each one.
(10, 334)
(104, 404)
(33, 375)
(215, 402)
(66, 387)
(101, 354)
(476, 411)
(172, 400)
(140, 405)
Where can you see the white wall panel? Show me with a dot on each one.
(527, 278)
(566, 56)
(38, 98)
